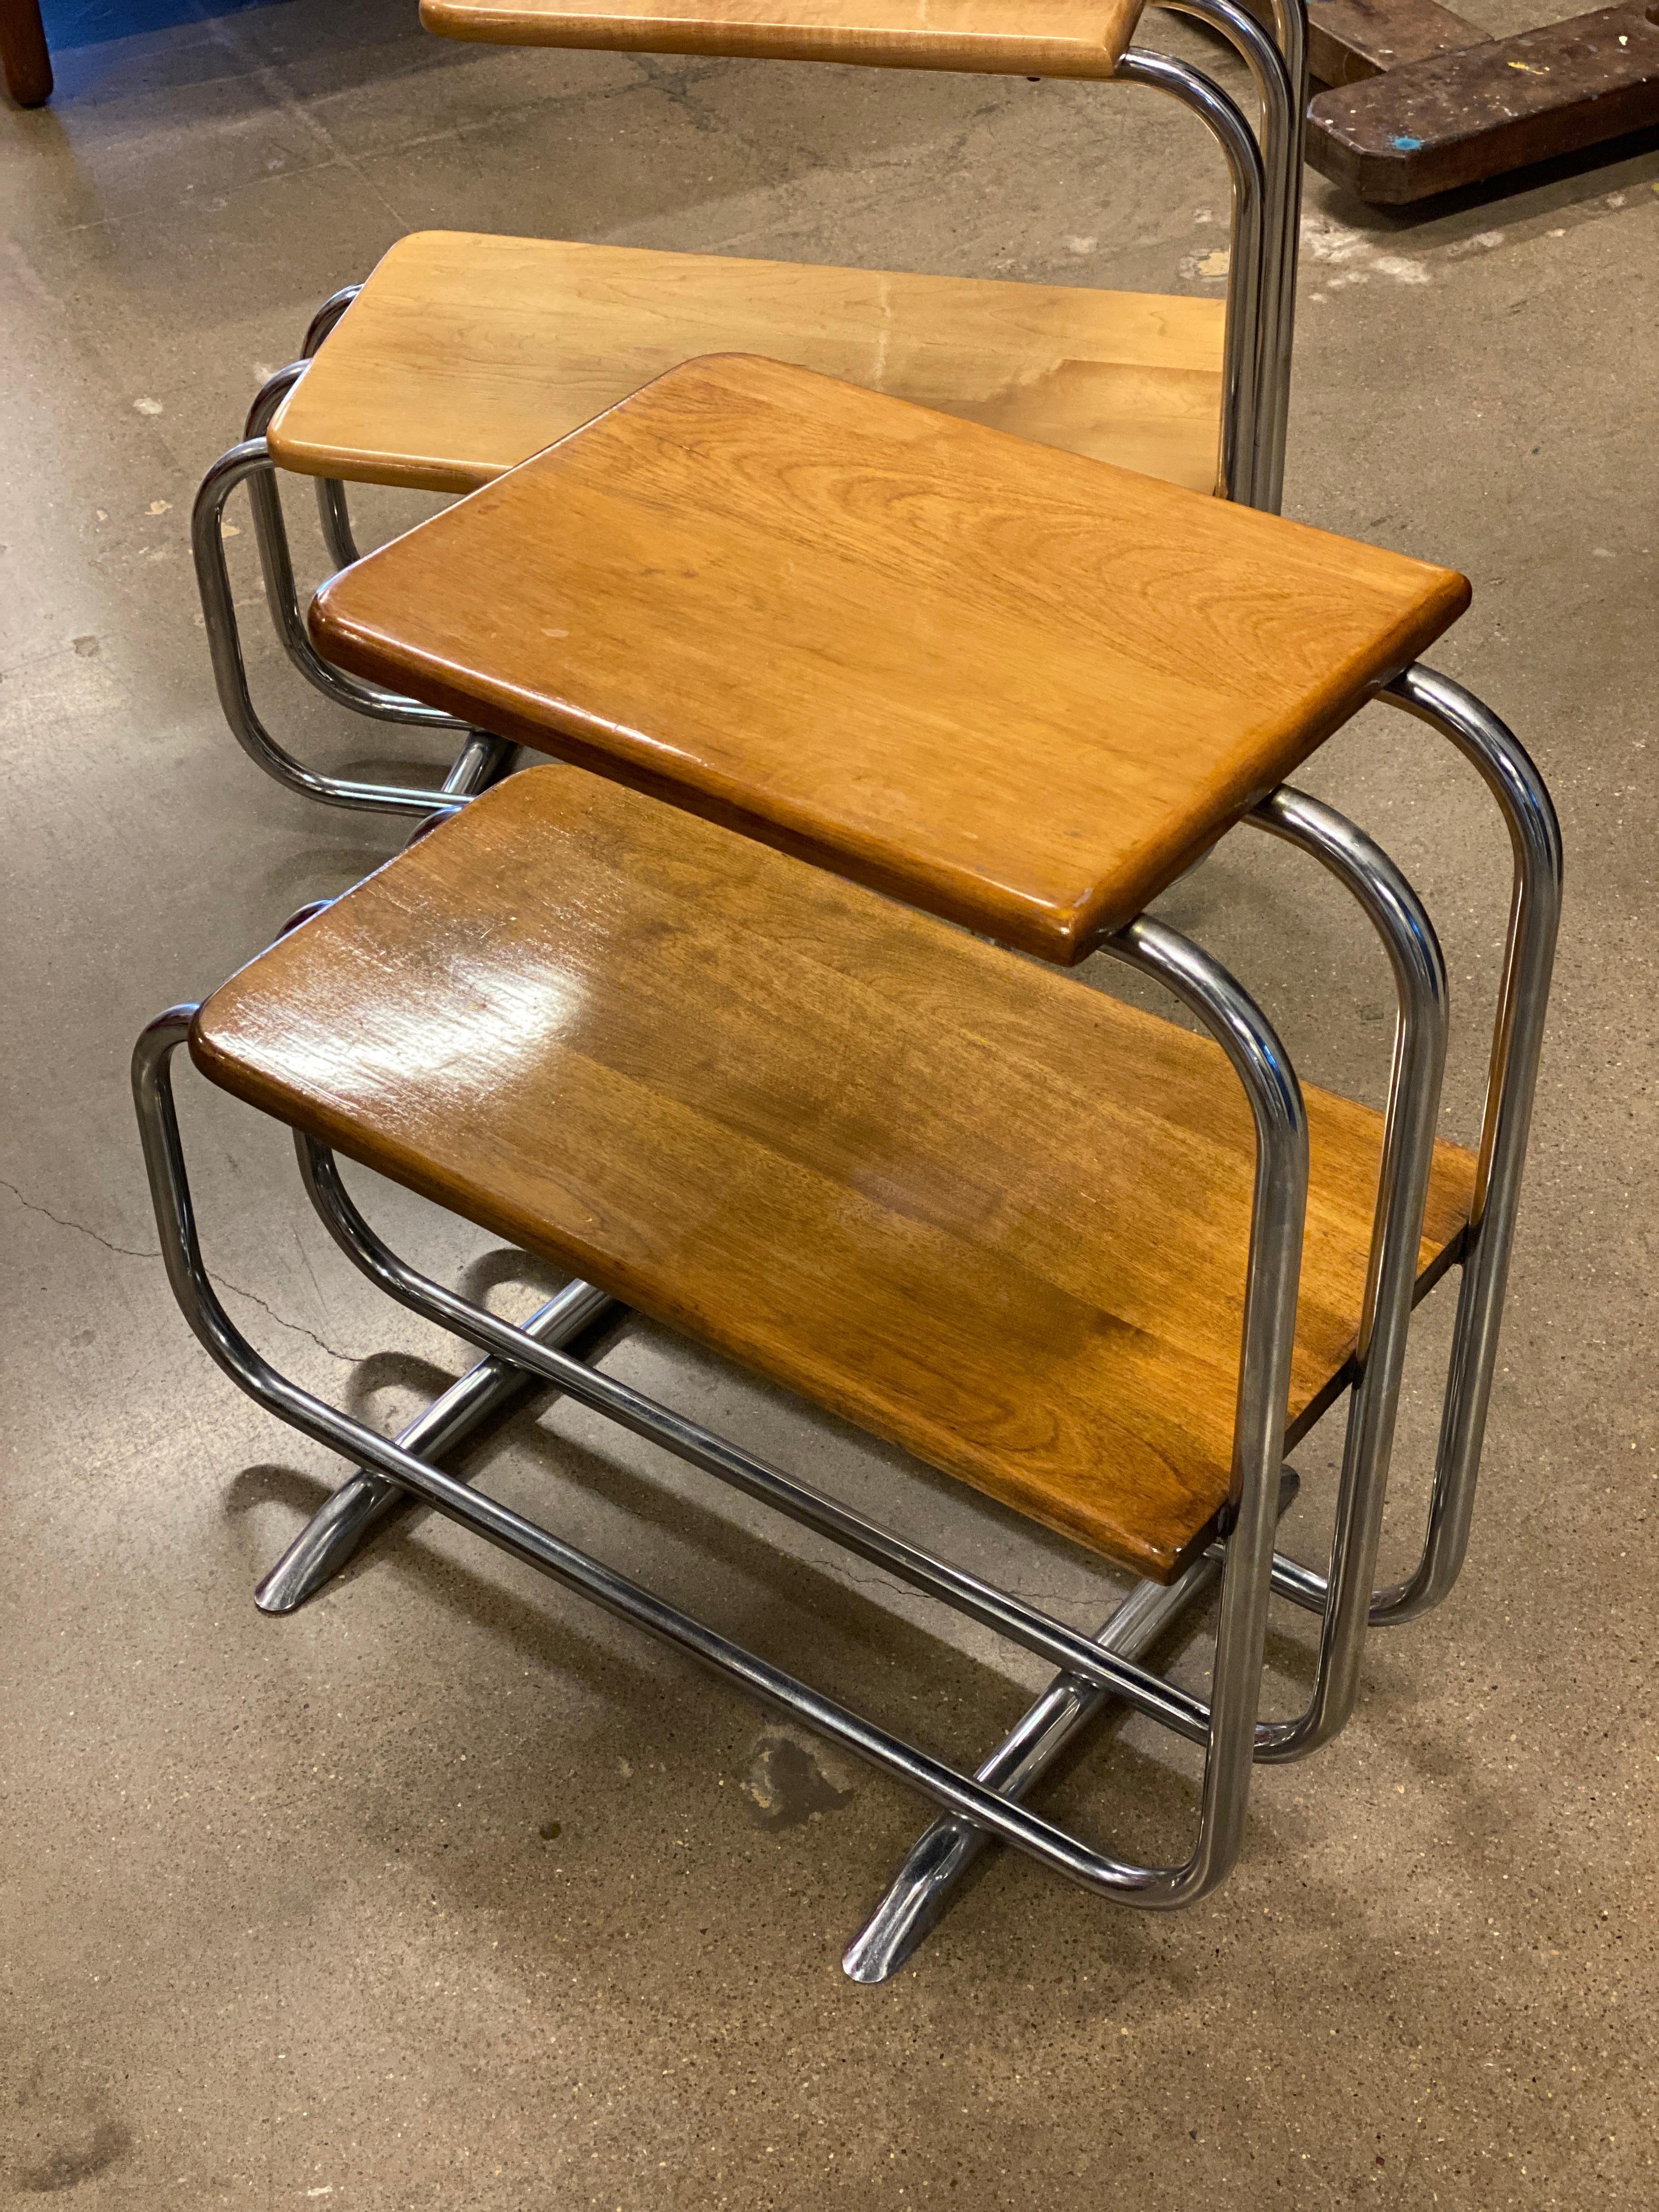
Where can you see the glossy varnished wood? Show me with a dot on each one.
(1043, 38)
(463, 354)
(974, 1206)
(1017, 687)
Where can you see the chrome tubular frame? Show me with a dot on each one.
(331, 492)
(486, 1392)
(250, 463)
(1242, 410)
(282, 593)
(1509, 774)
(1408, 1127)
(1291, 27)
(326, 318)
(923, 1889)
(1228, 1724)
(937, 1862)
(243, 463)
(1512, 1080)
(1281, 156)
(1283, 159)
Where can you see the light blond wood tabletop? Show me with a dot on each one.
(1040, 38)
(970, 1204)
(463, 354)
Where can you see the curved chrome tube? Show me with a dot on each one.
(326, 318)
(230, 673)
(1414, 1104)
(1241, 408)
(282, 593)
(335, 520)
(1517, 1039)
(942, 1855)
(1281, 156)
(939, 1858)
(1291, 27)
(699, 1447)
(345, 1521)
(331, 493)
(1289, 22)
(1280, 1190)
(1272, 1277)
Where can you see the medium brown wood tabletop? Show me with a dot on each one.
(969, 1203)
(463, 354)
(1041, 38)
(1022, 688)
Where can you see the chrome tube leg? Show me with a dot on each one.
(1413, 1109)
(240, 465)
(331, 511)
(326, 318)
(1290, 27)
(340, 1526)
(941, 1858)
(1269, 1326)
(484, 760)
(344, 1521)
(282, 593)
(334, 520)
(1240, 405)
(1517, 1039)
(1281, 158)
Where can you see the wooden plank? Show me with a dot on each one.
(24, 60)
(1020, 688)
(1349, 40)
(463, 354)
(1039, 38)
(973, 1205)
(1457, 118)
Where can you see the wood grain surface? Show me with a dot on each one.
(1017, 687)
(463, 354)
(970, 1204)
(1040, 38)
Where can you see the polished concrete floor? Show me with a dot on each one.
(446, 1891)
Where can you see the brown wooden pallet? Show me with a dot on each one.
(1421, 100)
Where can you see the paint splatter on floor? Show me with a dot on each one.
(791, 1780)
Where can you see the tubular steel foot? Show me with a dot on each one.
(338, 1528)
(927, 1881)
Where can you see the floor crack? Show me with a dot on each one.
(135, 1252)
(123, 1251)
(345, 1359)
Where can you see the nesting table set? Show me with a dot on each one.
(897, 657)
